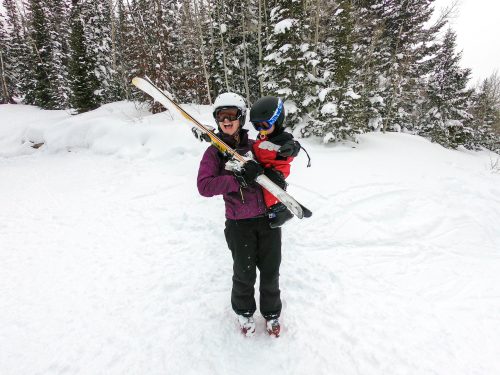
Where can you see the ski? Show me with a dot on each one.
(166, 99)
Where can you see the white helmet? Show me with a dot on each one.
(231, 100)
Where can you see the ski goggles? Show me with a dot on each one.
(269, 123)
(262, 125)
(232, 114)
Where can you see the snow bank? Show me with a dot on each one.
(123, 129)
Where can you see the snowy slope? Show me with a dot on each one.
(111, 263)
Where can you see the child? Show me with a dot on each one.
(274, 150)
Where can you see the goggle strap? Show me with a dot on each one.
(277, 113)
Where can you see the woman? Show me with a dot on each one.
(253, 243)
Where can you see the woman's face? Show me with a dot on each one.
(226, 123)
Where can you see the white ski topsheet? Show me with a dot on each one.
(112, 263)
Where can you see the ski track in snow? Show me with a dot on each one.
(117, 266)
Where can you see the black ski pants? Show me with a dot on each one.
(253, 245)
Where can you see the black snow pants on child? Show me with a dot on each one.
(253, 245)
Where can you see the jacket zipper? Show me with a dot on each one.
(242, 197)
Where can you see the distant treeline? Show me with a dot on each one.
(344, 67)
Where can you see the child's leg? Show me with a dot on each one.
(277, 212)
(269, 199)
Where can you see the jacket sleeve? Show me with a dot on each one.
(271, 159)
(210, 182)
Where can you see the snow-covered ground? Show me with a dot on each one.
(111, 262)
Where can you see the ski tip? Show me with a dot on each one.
(136, 81)
(140, 81)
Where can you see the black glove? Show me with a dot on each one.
(248, 173)
(276, 177)
(290, 148)
(199, 134)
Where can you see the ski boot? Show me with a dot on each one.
(273, 327)
(247, 325)
(278, 215)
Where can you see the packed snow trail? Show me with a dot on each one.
(116, 265)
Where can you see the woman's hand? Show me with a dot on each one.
(248, 173)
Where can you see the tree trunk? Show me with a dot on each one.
(224, 63)
(7, 98)
(259, 46)
(395, 82)
(316, 37)
(113, 35)
(202, 52)
(245, 59)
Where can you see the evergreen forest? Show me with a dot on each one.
(343, 67)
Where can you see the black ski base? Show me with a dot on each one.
(307, 212)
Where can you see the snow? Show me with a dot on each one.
(375, 122)
(282, 26)
(112, 263)
(453, 123)
(323, 93)
(290, 107)
(330, 109)
(352, 94)
(285, 48)
(376, 99)
(304, 47)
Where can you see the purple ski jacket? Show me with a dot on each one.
(213, 179)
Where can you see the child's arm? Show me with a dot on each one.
(289, 148)
(288, 145)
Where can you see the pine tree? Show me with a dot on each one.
(339, 117)
(21, 61)
(41, 90)
(149, 42)
(83, 81)
(485, 109)
(57, 21)
(405, 37)
(6, 86)
(371, 57)
(117, 89)
(219, 63)
(123, 63)
(203, 40)
(185, 36)
(98, 16)
(249, 50)
(226, 69)
(17, 53)
(447, 119)
(286, 70)
(321, 108)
